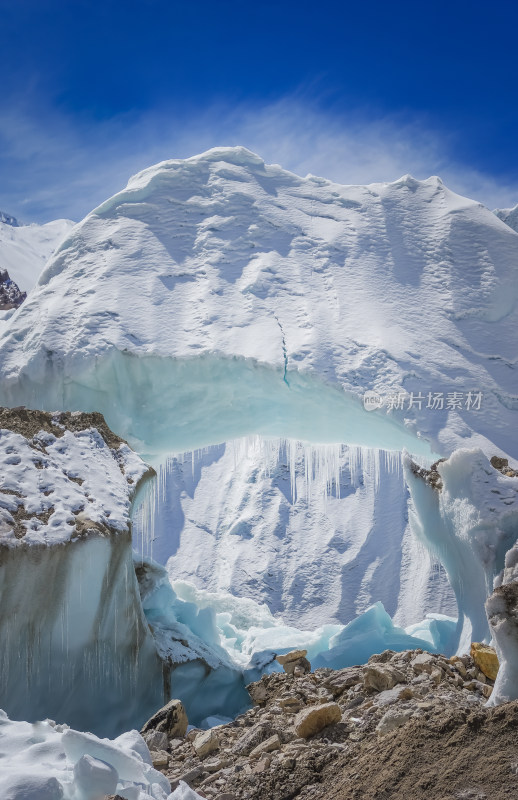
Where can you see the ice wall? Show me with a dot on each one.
(163, 405)
(317, 532)
(81, 639)
(74, 643)
(198, 669)
(466, 512)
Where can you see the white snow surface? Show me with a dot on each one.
(24, 249)
(45, 761)
(226, 275)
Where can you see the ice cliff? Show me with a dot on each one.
(73, 637)
(81, 638)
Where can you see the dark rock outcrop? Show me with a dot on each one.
(10, 294)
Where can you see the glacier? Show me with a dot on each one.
(227, 318)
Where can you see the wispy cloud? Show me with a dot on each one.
(53, 166)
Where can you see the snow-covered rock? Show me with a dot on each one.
(7, 219)
(10, 294)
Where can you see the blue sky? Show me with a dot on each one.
(358, 92)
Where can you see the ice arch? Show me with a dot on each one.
(162, 405)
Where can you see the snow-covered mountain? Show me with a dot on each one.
(24, 249)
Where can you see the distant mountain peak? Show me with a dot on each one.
(509, 216)
(9, 220)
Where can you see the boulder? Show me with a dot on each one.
(486, 659)
(171, 720)
(393, 719)
(156, 740)
(295, 663)
(268, 746)
(313, 719)
(160, 759)
(206, 742)
(424, 662)
(381, 676)
(293, 655)
(254, 736)
(390, 696)
(499, 463)
(297, 668)
(258, 693)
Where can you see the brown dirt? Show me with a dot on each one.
(457, 756)
(429, 735)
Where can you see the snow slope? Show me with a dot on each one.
(24, 249)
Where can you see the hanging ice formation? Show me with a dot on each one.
(315, 471)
